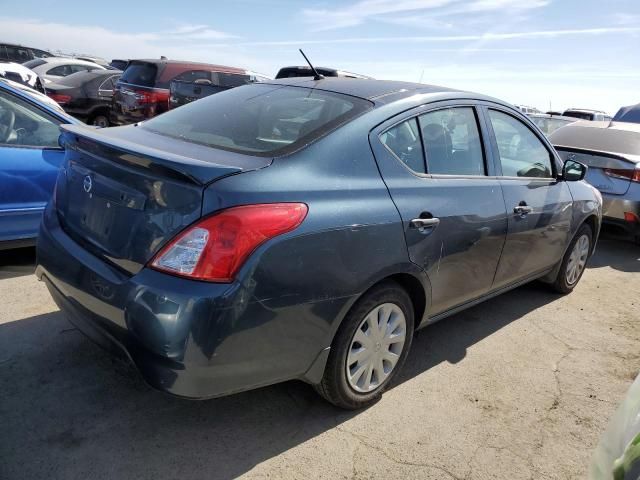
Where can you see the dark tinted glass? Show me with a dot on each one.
(18, 54)
(36, 62)
(404, 141)
(193, 75)
(139, 73)
(259, 119)
(452, 142)
(230, 79)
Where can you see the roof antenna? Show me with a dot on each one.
(316, 75)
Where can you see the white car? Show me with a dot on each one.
(52, 69)
(19, 74)
(39, 97)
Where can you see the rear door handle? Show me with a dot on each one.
(522, 210)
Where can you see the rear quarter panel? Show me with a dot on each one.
(295, 290)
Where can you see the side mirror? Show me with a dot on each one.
(573, 171)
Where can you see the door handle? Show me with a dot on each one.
(423, 223)
(522, 210)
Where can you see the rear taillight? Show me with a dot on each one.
(625, 174)
(215, 248)
(60, 98)
(153, 96)
(631, 217)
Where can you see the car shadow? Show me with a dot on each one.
(70, 410)
(616, 252)
(17, 262)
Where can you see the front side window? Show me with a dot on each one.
(452, 142)
(404, 141)
(522, 154)
(22, 124)
(259, 119)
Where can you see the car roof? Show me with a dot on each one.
(212, 66)
(20, 92)
(584, 110)
(552, 115)
(378, 91)
(67, 60)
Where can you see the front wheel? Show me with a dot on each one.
(369, 348)
(574, 261)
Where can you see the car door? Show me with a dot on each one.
(448, 197)
(538, 205)
(29, 162)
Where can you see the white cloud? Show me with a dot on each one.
(385, 10)
(97, 40)
(488, 36)
(621, 18)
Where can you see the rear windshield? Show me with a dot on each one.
(259, 119)
(36, 62)
(580, 115)
(140, 73)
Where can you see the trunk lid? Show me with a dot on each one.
(122, 199)
(599, 163)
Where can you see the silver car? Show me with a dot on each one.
(611, 150)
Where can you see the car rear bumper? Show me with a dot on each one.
(191, 339)
(614, 208)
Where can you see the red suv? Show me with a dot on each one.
(143, 89)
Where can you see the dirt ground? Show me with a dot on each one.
(518, 387)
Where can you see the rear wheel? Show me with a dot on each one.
(369, 348)
(574, 261)
(100, 120)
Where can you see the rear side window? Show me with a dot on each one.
(522, 154)
(230, 80)
(18, 54)
(452, 142)
(142, 74)
(259, 119)
(60, 71)
(193, 75)
(404, 141)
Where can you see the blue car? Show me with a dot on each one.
(304, 229)
(29, 161)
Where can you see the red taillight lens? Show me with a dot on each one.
(60, 98)
(215, 248)
(632, 175)
(631, 217)
(152, 96)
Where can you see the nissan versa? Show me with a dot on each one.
(303, 229)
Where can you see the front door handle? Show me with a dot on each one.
(522, 210)
(423, 223)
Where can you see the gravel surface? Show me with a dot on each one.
(520, 386)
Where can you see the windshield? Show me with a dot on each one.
(259, 119)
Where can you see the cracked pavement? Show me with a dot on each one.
(519, 387)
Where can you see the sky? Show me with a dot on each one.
(542, 53)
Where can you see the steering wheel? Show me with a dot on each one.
(7, 121)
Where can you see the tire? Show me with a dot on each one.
(389, 301)
(100, 120)
(568, 278)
